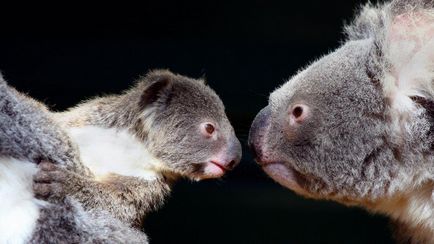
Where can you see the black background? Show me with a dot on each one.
(63, 54)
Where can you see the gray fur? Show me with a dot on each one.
(164, 123)
(357, 146)
(68, 222)
(128, 199)
(22, 117)
(164, 111)
(28, 132)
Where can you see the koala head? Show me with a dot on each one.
(184, 125)
(356, 125)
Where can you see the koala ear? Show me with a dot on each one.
(157, 89)
(366, 24)
(408, 49)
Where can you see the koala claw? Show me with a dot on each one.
(48, 181)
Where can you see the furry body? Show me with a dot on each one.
(26, 218)
(103, 165)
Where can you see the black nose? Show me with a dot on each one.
(234, 153)
(231, 165)
(257, 132)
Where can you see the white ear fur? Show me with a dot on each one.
(409, 52)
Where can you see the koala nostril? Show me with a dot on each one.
(297, 112)
(231, 165)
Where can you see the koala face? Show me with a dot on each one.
(320, 130)
(187, 127)
(353, 126)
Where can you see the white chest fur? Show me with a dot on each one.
(418, 213)
(107, 151)
(414, 210)
(19, 210)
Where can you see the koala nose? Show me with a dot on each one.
(231, 165)
(229, 158)
(235, 153)
(257, 132)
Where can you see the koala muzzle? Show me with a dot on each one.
(226, 160)
(233, 153)
(258, 131)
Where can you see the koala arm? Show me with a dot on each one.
(126, 198)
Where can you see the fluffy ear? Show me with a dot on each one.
(157, 88)
(367, 23)
(402, 56)
(408, 49)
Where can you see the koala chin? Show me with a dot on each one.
(357, 125)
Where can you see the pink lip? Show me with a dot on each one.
(283, 175)
(212, 170)
(219, 165)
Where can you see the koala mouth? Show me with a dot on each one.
(218, 168)
(210, 170)
(286, 176)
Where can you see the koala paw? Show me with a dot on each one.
(48, 182)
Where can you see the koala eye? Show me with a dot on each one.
(207, 129)
(298, 113)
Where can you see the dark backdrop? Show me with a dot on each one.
(245, 49)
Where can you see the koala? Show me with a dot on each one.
(29, 134)
(113, 159)
(357, 125)
(138, 143)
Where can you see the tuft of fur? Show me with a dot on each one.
(402, 33)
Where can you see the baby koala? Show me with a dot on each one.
(138, 143)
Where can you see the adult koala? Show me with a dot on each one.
(357, 126)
